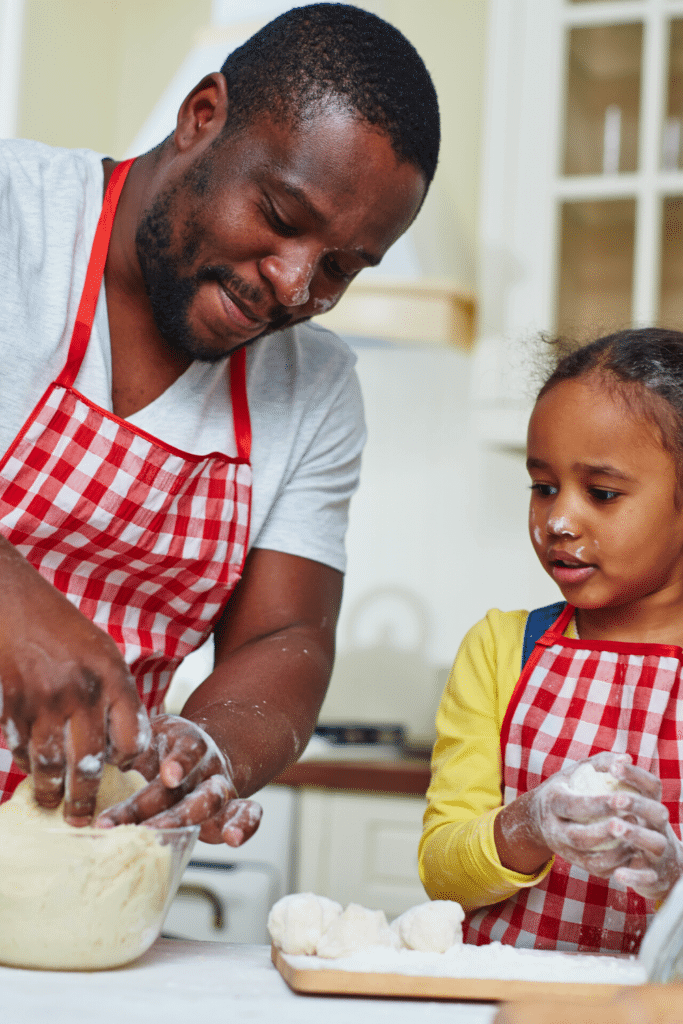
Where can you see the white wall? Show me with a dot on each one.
(438, 536)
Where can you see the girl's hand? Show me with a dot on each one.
(586, 830)
(190, 784)
(657, 863)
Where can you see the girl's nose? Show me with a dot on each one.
(290, 278)
(559, 525)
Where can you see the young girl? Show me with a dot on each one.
(544, 866)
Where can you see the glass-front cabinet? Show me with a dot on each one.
(582, 200)
(618, 193)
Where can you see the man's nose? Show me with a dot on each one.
(290, 277)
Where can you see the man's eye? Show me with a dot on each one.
(545, 490)
(281, 226)
(334, 270)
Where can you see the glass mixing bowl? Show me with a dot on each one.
(87, 899)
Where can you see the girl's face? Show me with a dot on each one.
(603, 518)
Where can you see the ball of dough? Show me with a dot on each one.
(589, 782)
(586, 781)
(296, 922)
(356, 929)
(431, 927)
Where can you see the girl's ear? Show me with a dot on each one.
(203, 113)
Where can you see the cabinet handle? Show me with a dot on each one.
(202, 892)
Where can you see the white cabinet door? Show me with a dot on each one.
(357, 848)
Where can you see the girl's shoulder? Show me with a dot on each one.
(501, 637)
(494, 644)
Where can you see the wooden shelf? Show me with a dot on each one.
(429, 312)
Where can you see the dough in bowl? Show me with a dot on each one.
(78, 899)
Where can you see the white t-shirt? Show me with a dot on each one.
(304, 398)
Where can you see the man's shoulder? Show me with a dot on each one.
(30, 168)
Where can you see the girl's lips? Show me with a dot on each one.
(567, 573)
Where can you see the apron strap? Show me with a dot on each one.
(538, 621)
(88, 305)
(240, 403)
(551, 634)
(93, 276)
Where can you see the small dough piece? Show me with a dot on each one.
(589, 782)
(356, 929)
(297, 922)
(586, 781)
(431, 927)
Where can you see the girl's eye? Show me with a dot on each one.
(602, 494)
(545, 490)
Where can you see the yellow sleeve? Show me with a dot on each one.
(458, 858)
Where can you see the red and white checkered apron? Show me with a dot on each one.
(574, 699)
(146, 540)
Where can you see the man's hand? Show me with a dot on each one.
(190, 783)
(67, 700)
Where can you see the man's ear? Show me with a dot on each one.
(203, 112)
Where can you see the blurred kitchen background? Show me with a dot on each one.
(557, 207)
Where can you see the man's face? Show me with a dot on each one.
(267, 228)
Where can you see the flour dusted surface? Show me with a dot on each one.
(495, 961)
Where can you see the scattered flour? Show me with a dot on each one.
(78, 899)
(349, 940)
(493, 961)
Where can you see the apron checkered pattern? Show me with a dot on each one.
(146, 540)
(574, 699)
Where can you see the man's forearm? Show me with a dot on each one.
(261, 703)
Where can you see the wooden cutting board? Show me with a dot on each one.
(399, 986)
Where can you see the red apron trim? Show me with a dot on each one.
(93, 276)
(550, 637)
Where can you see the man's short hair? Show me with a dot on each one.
(311, 55)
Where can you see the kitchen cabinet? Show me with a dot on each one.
(582, 192)
(360, 848)
(420, 311)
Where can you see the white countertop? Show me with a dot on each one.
(181, 982)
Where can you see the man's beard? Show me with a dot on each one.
(171, 293)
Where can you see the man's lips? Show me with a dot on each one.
(240, 314)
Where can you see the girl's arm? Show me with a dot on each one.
(458, 854)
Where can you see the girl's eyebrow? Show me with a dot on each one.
(601, 469)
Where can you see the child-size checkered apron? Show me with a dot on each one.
(574, 699)
(146, 540)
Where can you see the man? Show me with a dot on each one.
(123, 544)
